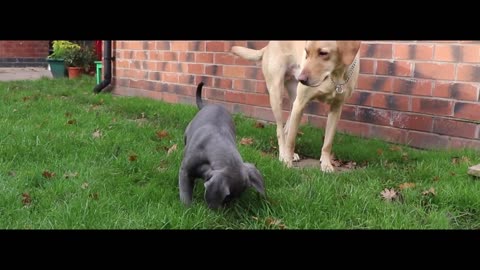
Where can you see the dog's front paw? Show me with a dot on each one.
(296, 157)
(285, 160)
(328, 168)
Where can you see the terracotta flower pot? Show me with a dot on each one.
(74, 72)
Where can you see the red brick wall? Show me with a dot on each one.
(421, 93)
(23, 52)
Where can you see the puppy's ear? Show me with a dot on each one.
(255, 179)
(215, 191)
(348, 50)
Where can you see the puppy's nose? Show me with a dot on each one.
(303, 79)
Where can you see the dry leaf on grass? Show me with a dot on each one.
(406, 185)
(246, 141)
(84, 185)
(71, 122)
(395, 148)
(379, 152)
(97, 134)
(430, 191)
(336, 163)
(389, 194)
(94, 195)
(436, 179)
(275, 223)
(161, 134)
(70, 175)
(132, 157)
(172, 149)
(48, 174)
(458, 160)
(26, 199)
(350, 165)
(259, 125)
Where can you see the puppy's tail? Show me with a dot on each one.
(249, 54)
(199, 96)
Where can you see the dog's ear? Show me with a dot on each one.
(215, 191)
(255, 179)
(347, 50)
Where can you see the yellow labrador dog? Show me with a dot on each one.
(326, 70)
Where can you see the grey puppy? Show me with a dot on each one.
(211, 154)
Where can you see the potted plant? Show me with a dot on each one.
(56, 59)
(79, 60)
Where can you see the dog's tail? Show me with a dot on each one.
(249, 54)
(199, 96)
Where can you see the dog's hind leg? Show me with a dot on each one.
(185, 183)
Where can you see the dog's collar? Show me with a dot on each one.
(339, 86)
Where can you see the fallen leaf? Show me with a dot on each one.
(246, 141)
(429, 191)
(114, 120)
(259, 125)
(94, 195)
(26, 199)
(264, 154)
(97, 134)
(389, 194)
(350, 165)
(84, 185)
(275, 222)
(452, 173)
(336, 163)
(405, 156)
(48, 174)
(70, 175)
(379, 152)
(172, 149)
(406, 185)
(395, 148)
(436, 178)
(71, 122)
(132, 157)
(26, 98)
(162, 134)
(458, 160)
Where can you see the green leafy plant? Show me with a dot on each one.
(83, 57)
(61, 48)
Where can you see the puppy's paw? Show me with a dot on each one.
(186, 198)
(296, 157)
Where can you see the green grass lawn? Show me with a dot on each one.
(72, 159)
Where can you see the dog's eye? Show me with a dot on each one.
(322, 52)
